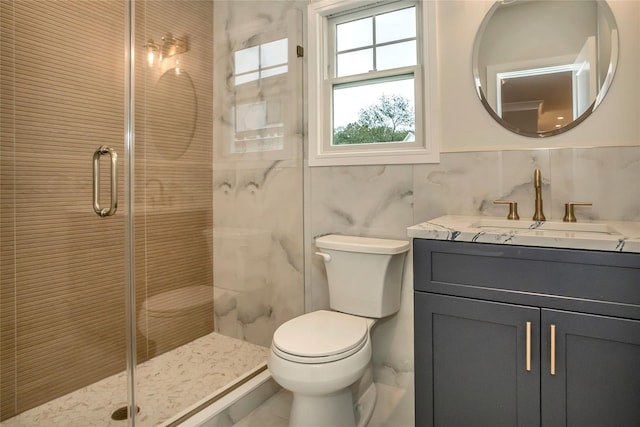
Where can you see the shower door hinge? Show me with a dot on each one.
(299, 51)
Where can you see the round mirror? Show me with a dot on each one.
(172, 112)
(541, 67)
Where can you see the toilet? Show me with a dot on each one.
(318, 356)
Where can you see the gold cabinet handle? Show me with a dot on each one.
(553, 349)
(528, 346)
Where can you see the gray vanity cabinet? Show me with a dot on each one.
(597, 379)
(470, 363)
(485, 320)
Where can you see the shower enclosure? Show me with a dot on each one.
(151, 199)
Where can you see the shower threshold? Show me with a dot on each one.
(165, 386)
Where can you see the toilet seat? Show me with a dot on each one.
(320, 337)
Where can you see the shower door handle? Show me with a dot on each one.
(113, 158)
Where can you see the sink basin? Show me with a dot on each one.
(574, 227)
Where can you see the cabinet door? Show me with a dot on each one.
(471, 363)
(597, 370)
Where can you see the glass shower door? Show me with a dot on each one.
(63, 268)
(68, 92)
(174, 208)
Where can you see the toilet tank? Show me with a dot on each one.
(364, 273)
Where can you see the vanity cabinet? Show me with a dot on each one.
(525, 336)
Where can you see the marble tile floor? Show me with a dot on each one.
(166, 385)
(389, 412)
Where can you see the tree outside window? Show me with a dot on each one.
(391, 119)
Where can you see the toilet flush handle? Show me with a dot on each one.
(325, 257)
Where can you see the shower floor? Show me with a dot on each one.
(165, 386)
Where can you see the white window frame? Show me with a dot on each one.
(321, 81)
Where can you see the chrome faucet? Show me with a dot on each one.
(537, 183)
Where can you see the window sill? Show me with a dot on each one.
(381, 158)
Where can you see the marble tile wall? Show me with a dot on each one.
(264, 289)
(381, 201)
(258, 170)
(264, 189)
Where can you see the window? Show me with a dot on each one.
(259, 125)
(367, 75)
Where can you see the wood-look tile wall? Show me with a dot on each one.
(62, 268)
(174, 179)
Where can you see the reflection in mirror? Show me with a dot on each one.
(259, 124)
(541, 67)
(172, 113)
(261, 61)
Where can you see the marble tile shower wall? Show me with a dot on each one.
(258, 270)
(381, 201)
(257, 196)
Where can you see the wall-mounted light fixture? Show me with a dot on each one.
(170, 46)
(173, 46)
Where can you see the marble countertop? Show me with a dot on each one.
(614, 236)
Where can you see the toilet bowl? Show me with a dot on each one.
(319, 355)
(176, 317)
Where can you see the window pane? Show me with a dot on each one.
(360, 61)
(247, 59)
(397, 25)
(378, 111)
(273, 53)
(396, 55)
(354, 34)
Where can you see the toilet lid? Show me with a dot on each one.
(321, 334)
